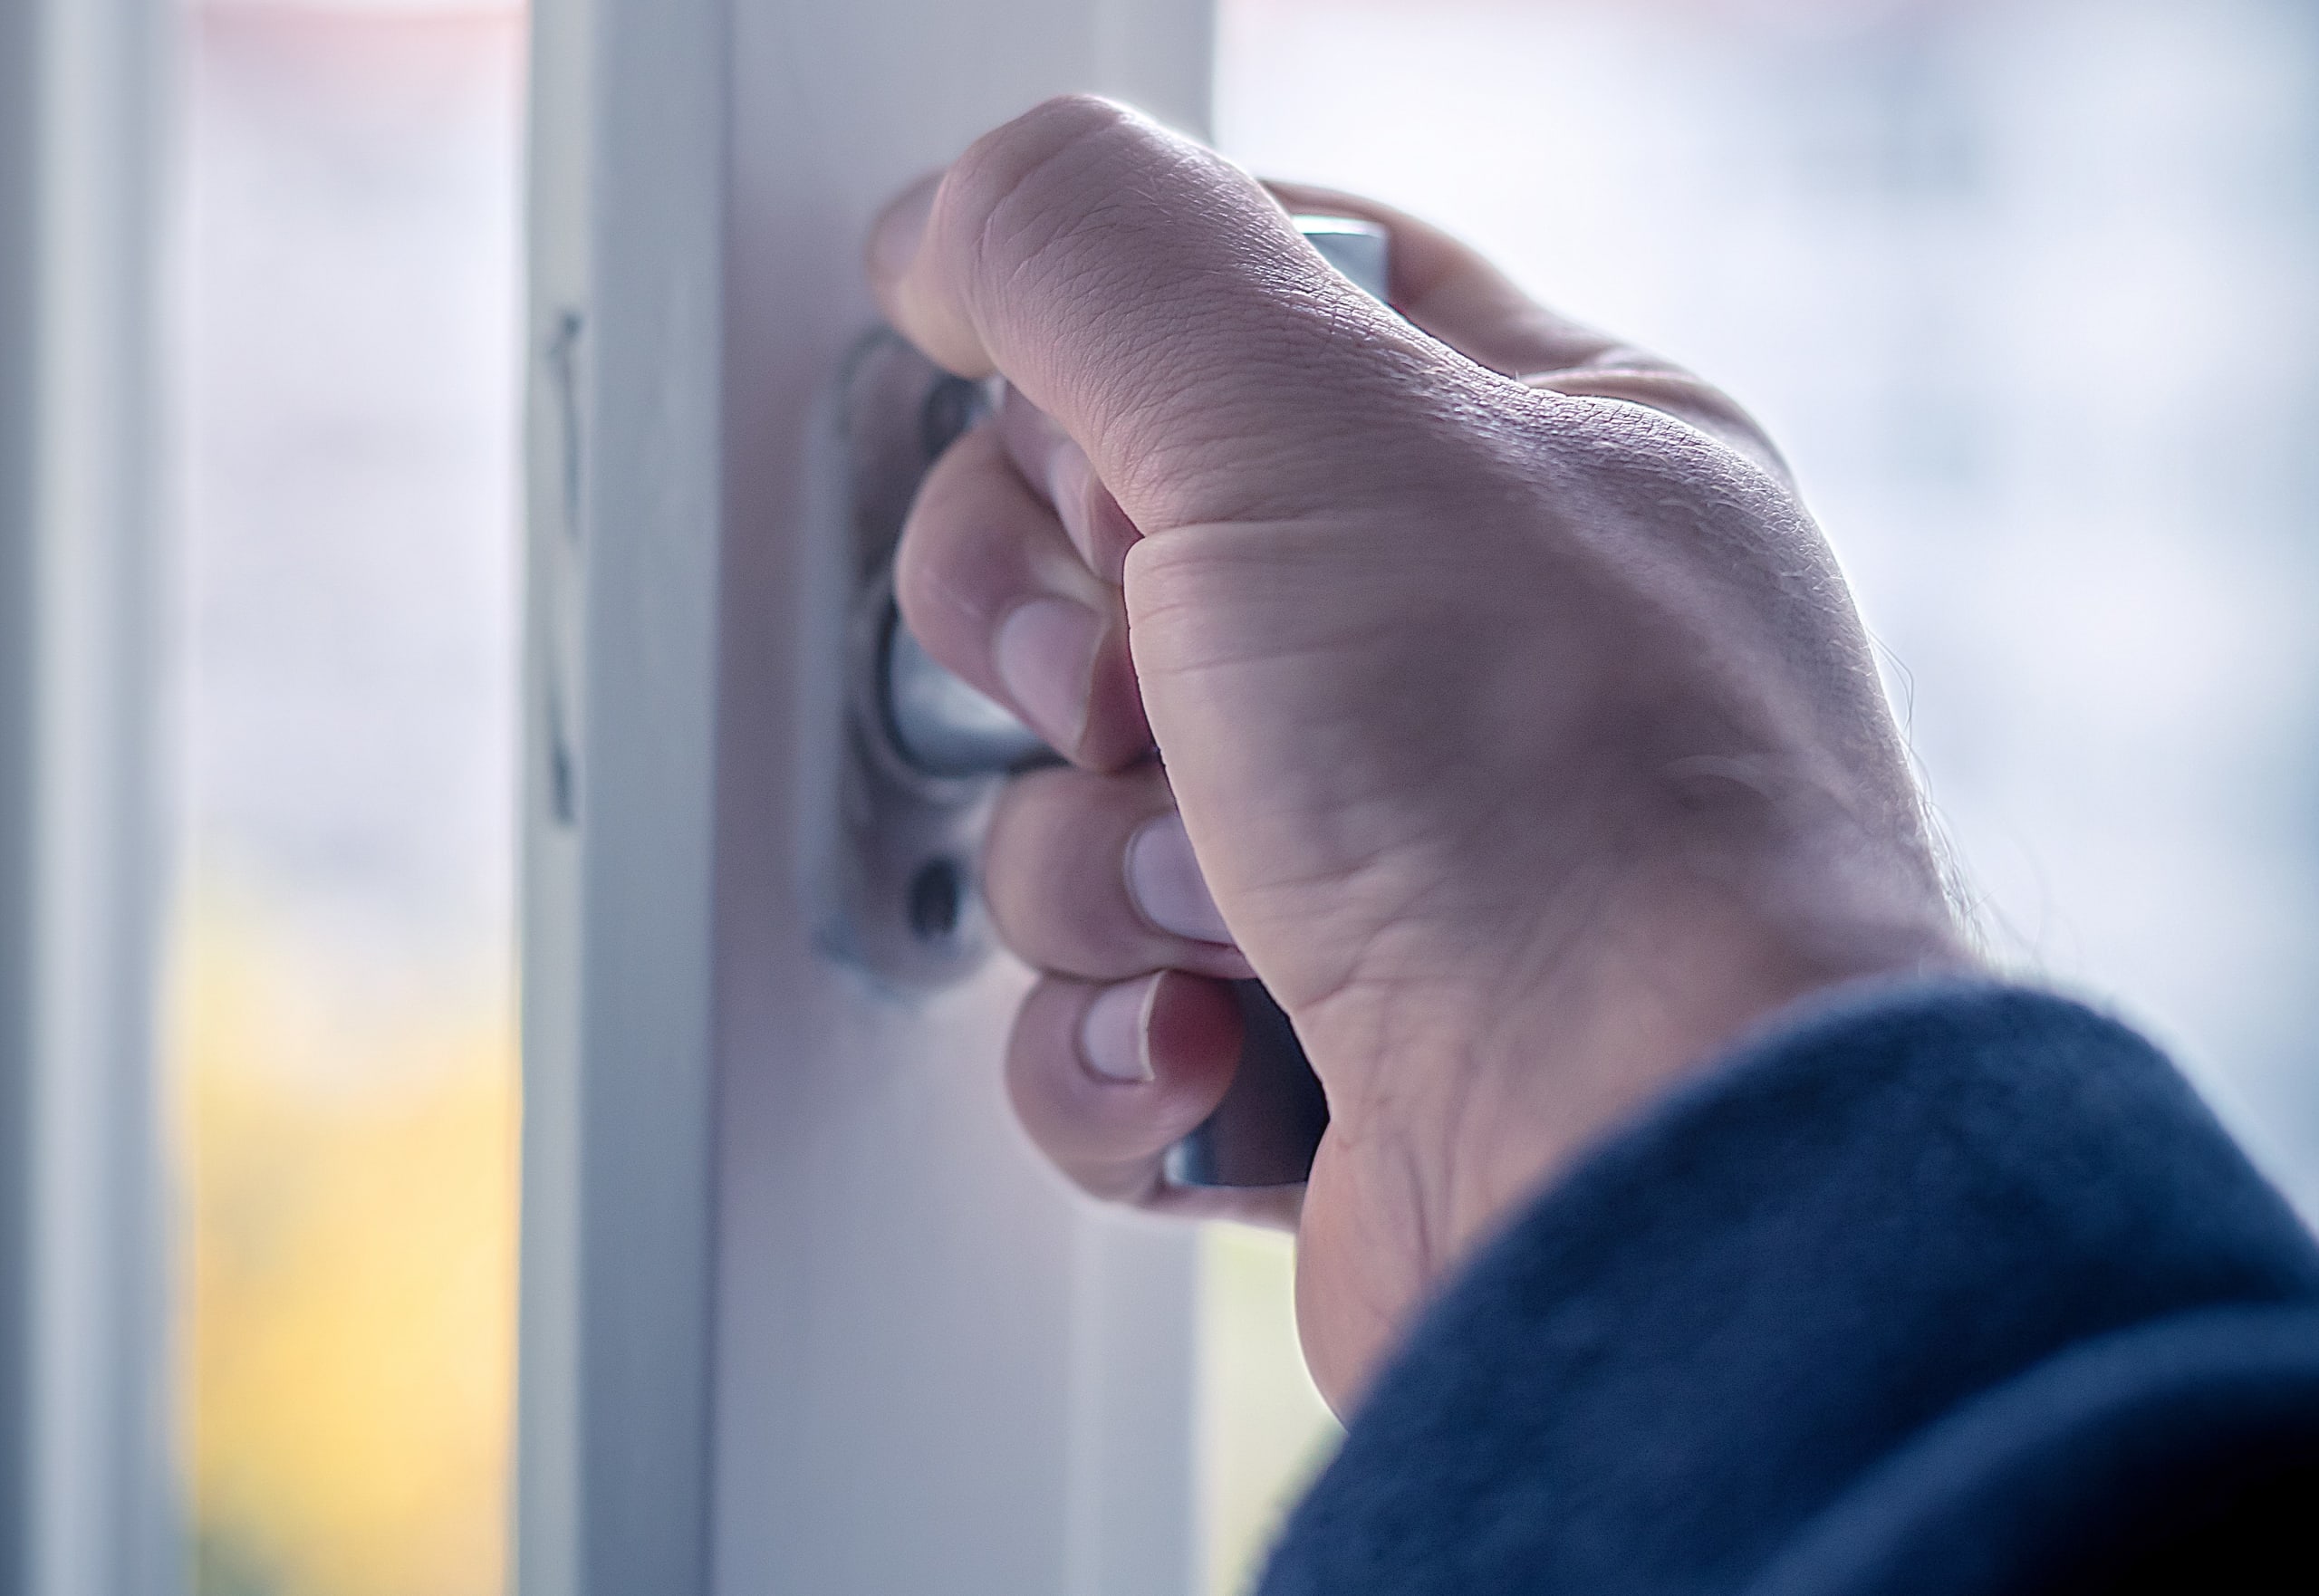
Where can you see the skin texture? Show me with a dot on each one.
(1517, 714)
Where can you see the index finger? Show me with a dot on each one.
(1159, 304)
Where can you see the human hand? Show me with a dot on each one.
(1514, 723)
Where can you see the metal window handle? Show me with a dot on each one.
(953, 737)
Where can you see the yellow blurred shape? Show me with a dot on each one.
(352, 1245)
(1264, 1431)
(352, 1217)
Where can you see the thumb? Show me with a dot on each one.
(1157, 304)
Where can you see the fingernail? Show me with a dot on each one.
(894, 235)
(1114, 1035)
(1046, 654)
(1163, 879)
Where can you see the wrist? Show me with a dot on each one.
(1454, 1104)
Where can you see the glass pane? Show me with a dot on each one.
(1985, 271)
(344, 1039)
(1263, 1430)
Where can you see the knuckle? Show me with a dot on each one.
(1021, 193)
(973, 545)
(1033, 873)
(930, 563)
(1018, 157)
(1054, 877)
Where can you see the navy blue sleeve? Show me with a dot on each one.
(1941, 1289)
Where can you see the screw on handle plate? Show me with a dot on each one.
(932, 725)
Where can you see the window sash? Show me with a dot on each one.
(801, 1309)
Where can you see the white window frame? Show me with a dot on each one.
(801, 1310)
(87, 1492)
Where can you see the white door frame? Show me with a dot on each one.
(801, 1312)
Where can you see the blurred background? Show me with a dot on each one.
(2026, 289)
(344, 1036)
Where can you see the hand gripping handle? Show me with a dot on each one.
(1266, 1128)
